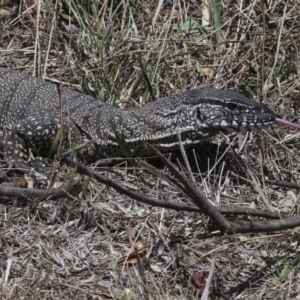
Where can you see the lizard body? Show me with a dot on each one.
(30, 117)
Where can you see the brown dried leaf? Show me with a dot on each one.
(22, 182)
(207, 71)
(173, 13)
(198, 281)
(130, 257)
(4, 13)
(191, 259)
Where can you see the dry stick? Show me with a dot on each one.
(36, 36)
(60, 93)
(121, 189)
(4, 266)
(108, 161)
(198, 198)
(38, 193)
(160, 174)
(269, 226)
(141, 270)
(68, 152)
(50, 38)
(257, 226)
(64, 191)
(186, 161)
(224, 210)
(228, 227)
(205, 293)
(283, 183)
(157, 11)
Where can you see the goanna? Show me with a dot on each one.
(30, 118)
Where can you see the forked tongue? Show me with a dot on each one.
(287, 123)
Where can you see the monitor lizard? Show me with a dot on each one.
(30, 118)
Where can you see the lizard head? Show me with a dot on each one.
(211, 110)
(229, 111)
(200, 113)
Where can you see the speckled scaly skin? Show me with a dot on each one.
(30, 117)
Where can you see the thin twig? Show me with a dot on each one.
(198, 198)
(186, 161)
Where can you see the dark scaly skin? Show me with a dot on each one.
(30, 117)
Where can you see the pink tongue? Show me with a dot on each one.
(287, 123)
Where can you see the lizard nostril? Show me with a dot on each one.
(231, 106)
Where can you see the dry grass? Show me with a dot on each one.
(127, 53)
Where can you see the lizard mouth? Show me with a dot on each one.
(244, 123)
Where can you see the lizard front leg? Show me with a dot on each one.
(30, 133)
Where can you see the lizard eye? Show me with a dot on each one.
(231, 106)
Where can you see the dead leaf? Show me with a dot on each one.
(22, 182)
(207, 71)
(191, 259)
(172, 13)
(286, 203)
(130, 257)
(4, 13)
(198, 281)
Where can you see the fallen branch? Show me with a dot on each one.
(251, 226)
(55, 193)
